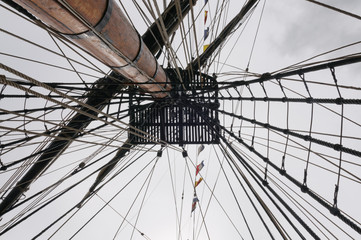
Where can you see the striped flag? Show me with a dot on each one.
(199, 167)
(194, 203)
(206, 33)
(198, 182)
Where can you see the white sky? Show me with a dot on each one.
(290, 31)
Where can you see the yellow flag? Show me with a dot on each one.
(198, 182)
(205, 47)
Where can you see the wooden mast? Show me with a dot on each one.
(101, 28)
(95, 98)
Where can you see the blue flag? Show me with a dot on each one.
(194, 203)
(206, 33)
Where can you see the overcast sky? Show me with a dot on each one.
(290, 31)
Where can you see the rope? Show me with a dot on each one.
(355, 178)
(346, 219)
(311, 193)
(55, 53)
(234, 195)
(254, 174)
(255, 37)
(215, 198)
(335, 9)
(335, 210)
(87, 106)
(304, 185)
(334, 146)
(178, 218)
(131, 206)
(54, 198)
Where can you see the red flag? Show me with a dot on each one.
(205, 16)
(199, 167)
(194, 203)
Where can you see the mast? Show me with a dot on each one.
(104, 32)
(153, 37)
(101, 29)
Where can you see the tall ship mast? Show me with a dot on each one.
(212, 119)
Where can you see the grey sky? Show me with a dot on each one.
(290, 31)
